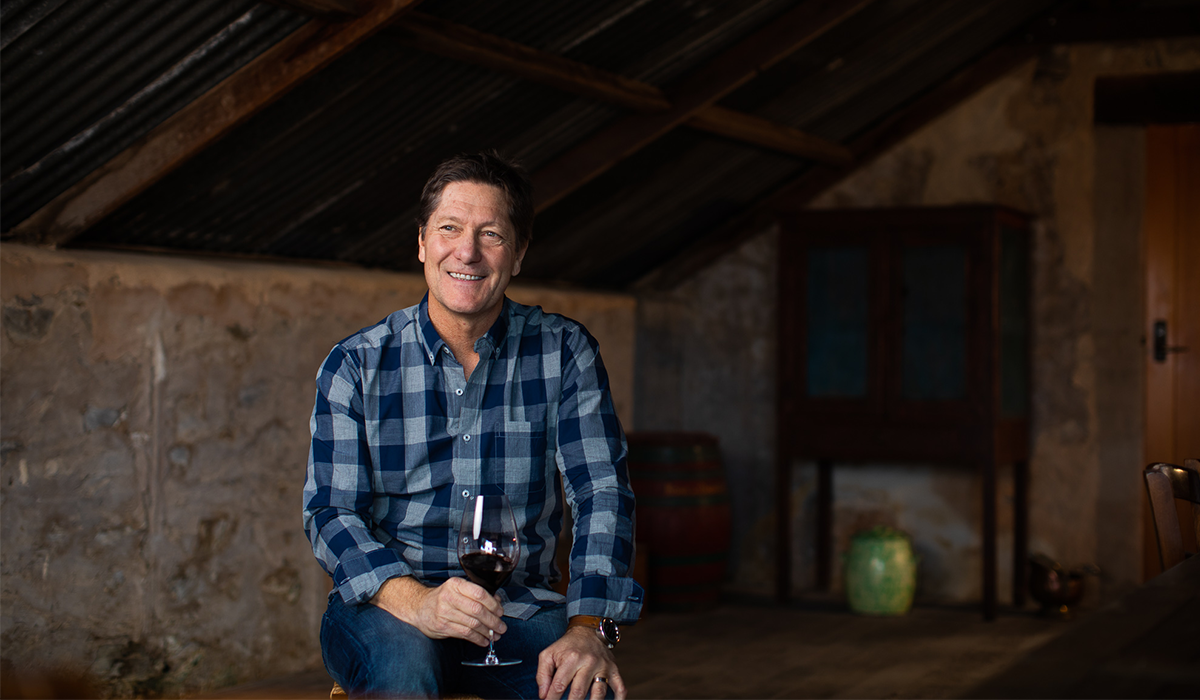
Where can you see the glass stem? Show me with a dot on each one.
(491, 659)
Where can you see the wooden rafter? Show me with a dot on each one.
(325, 9)
(704, 88)
(761, 132)
(1082, 26)
(900, 124)
(454, 41)
(180, 137)
(798, 193)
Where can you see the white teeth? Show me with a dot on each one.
(468, 278)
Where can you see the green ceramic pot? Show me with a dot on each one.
(881, 572)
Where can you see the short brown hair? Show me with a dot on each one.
(487, 168)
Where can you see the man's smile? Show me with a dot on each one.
(466, 277)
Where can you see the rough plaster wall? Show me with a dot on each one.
(1028, 142)
(1120, 351)
(155, 432)
(706, 362)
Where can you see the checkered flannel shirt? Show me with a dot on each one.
(401, 442)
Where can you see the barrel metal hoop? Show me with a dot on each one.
(716, 499)
(690, 560)
(674, 453)
(648, 475)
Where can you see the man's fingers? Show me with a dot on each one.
(545, 673)
(575, 661)
(477, 593)
(562, 681)
(464, 610)
(584, 683)
(475, 624)
(599, 688)
(473, 633)
(618, 685)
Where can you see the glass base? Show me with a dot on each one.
(492, 661)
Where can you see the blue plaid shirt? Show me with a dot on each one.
(401, 442)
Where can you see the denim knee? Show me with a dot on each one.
(370, 652)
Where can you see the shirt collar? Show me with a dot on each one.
(487, 343)
(429, 336)
(494, 338)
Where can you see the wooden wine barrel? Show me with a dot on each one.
(683, 516)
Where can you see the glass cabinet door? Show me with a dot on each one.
(838, 310)
(933, 317)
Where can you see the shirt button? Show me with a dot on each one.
(466, 438)
(466, 493)
(458, 391)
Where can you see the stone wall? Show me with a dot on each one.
(706, 350)
(155, 435)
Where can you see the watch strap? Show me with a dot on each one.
(595, 623)
(586, 621)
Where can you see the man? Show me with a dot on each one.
(467, 393)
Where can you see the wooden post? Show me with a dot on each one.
(988, 472)
(824, 524)
(1020, 531)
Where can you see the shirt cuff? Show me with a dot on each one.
(616, 597)
(359, 578)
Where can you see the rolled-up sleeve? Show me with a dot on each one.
(591, 456)
(337, 490)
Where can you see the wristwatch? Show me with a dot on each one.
(606, 628)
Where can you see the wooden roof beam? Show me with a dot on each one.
(1083, 26)
(720, 76)
(457, 42)
(761, 132)
(325, 9)
(181, 136)
(796, 194)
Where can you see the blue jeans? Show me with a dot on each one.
(371, 653)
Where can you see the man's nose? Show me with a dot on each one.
(468, 247)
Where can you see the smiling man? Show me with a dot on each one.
(469, 393)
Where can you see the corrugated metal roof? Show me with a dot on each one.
(83, 79)
(333, 169)
(373, 125)
(865, 68)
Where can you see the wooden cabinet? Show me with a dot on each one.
(904, 336)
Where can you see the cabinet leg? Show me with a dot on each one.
(824, 525)
(1020, 531)
(989, 539)
(783, 530)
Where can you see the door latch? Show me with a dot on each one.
(1161, 349)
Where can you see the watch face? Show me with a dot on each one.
(609, 629)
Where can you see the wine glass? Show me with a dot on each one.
(487, 550)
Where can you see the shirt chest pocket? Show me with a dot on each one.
(521, 448)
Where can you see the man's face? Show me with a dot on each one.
(469, 249)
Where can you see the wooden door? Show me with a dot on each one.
(1172, 255)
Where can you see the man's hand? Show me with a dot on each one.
(575, 660)
(457, 608)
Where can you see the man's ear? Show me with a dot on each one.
(421, 243)
(517, 262)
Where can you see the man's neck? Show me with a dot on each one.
(460, 333)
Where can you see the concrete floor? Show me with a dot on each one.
(759, 651)
(804, 650)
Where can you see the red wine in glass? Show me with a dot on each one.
(488, 570)
(487, 550)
